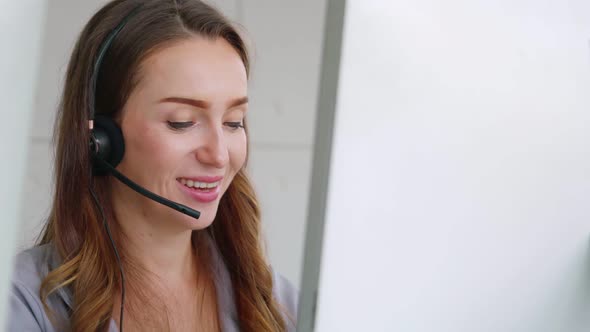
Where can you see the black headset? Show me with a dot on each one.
(106, 138)
(107, 147)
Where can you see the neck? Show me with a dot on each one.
(174, 294)
(155, 245)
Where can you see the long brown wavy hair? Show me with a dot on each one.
(89, 267)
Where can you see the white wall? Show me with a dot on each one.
(20, 35)
(287, 38)
(286, 55)
(459, 192)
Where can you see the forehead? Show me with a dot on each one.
(207, 68)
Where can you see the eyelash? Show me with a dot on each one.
(183, 125)
(179, 125)
(235, 125)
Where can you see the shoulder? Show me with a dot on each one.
(32, 265)
(287, 296)
(25, 309)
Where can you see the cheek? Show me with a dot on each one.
(238, 152)
(147, 148)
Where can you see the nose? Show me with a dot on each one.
(213, 150)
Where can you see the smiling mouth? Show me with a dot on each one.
(199, 185)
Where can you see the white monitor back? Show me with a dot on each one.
(454, 191)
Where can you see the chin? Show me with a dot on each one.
(205, 220)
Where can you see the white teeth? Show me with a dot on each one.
(197, 184)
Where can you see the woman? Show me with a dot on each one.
(172, 76)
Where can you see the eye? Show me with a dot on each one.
(235, 125)
(180, 125)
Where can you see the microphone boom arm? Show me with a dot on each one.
(173, 205)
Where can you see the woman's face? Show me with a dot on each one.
(183, 129)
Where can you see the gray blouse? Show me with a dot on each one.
(26, 313)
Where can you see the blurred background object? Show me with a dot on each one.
(458, 197)
(21, 38)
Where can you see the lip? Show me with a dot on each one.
(197, 195)
(206, 179)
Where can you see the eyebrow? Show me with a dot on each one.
(201, 103)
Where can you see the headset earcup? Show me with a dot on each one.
(107, 143)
